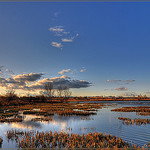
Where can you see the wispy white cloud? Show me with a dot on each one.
(130, 94)
(56, 29)
(114, 81)
(77, 34)
(121, 81)
(66, 32)
(83, 70)
(55, 44)
(56, 14)
(64, 71)
(128, 81)
(121, 88)
(67, 40)
(65, 36)
(9, 71)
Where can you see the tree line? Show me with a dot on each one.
(48, 94)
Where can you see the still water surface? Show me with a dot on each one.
(106, 121)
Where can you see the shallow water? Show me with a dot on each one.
(106, 121)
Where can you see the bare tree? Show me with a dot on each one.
(59, 91)
(66, 93)
(49, 91)
(63, 93)
(11, 95)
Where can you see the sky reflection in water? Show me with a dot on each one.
(105, 121)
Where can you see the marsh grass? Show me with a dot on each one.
(65, 140)
(141, 110)
(12, 113)
(42, 119)
(136, 121)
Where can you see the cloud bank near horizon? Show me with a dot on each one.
(34, 82)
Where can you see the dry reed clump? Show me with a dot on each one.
(64, 140)
(77, 113)
(38, 113)
(48, 109)
(9, 120)
(16, 134)
(139, 109)
(42, 119)
(144, 113)
(136, 121)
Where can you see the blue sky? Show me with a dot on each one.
(105, 44)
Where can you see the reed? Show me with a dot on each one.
(49, 109)
(2, 120)
(42, 119)
(136, 121)
(65, 140)
(139, 109)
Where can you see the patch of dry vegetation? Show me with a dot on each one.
(141, 110)
(136, 121)
(66, 140)
(49, 109)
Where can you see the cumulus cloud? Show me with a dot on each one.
(2, 82)
(19, 81)
(60, 81)
(33, 82)
(64, 71)
(64, 76)
(121, 88)
(56, 44)
(27, 77)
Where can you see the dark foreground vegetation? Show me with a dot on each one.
(66, 140)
